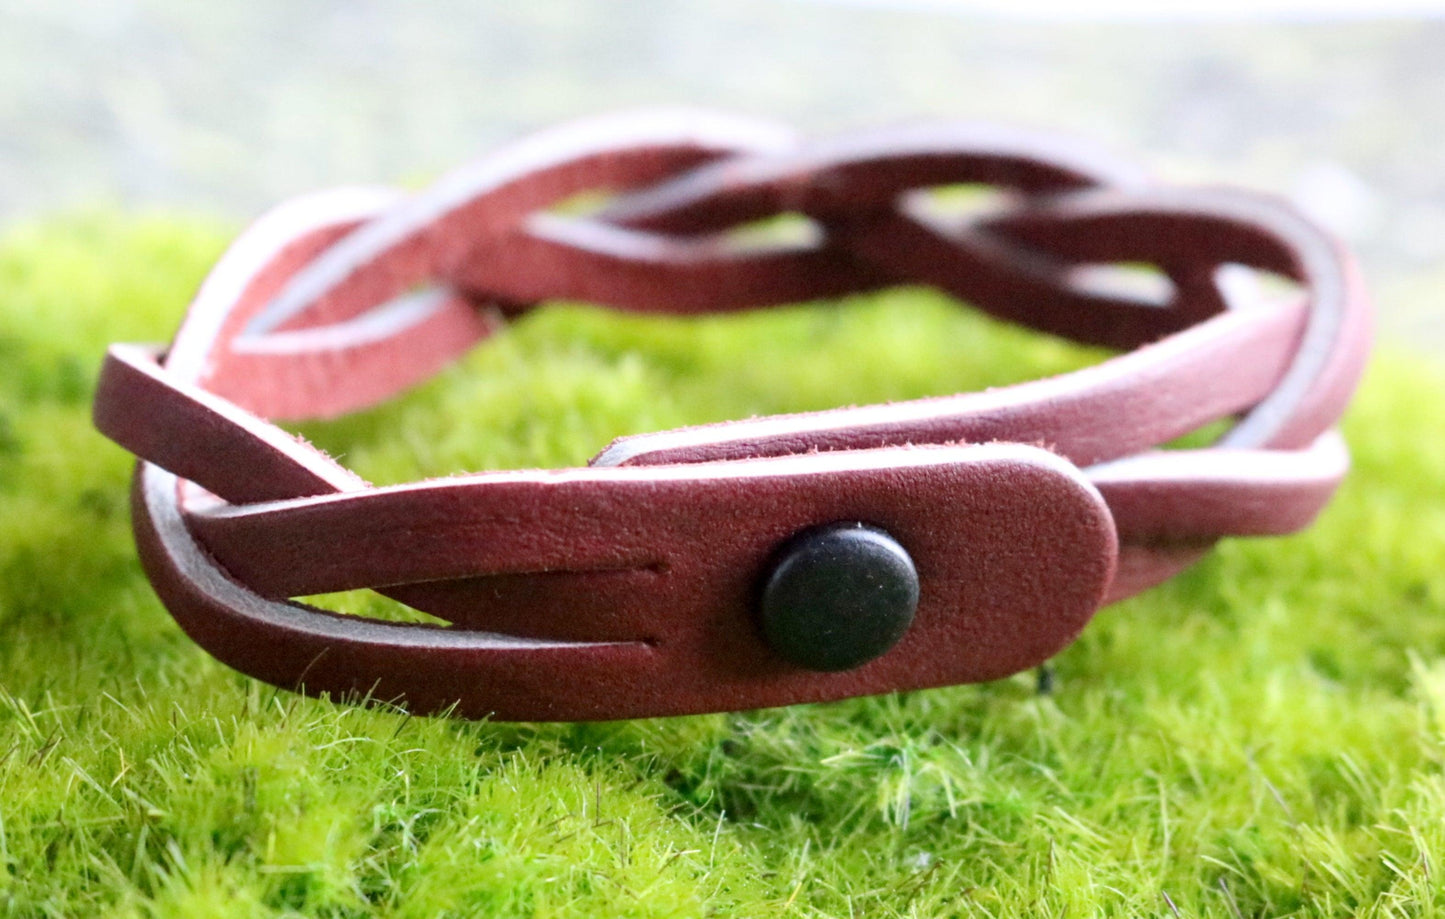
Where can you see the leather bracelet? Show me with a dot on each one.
(749, 563)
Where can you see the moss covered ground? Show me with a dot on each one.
(1265, 736)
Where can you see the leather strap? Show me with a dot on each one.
(629, 588)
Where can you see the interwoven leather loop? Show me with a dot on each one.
(624, 589)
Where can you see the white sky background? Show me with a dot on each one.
(1157, 10)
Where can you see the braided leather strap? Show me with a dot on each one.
(630, 587)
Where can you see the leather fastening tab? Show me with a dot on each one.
(632, 591)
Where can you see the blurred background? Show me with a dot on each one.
(227, 107)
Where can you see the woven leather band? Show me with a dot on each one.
(628, 588)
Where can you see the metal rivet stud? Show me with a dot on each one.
(838, 596)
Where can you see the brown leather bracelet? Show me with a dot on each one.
(750, 563)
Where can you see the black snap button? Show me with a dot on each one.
(838, 597)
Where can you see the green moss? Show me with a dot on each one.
(1264, 736)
